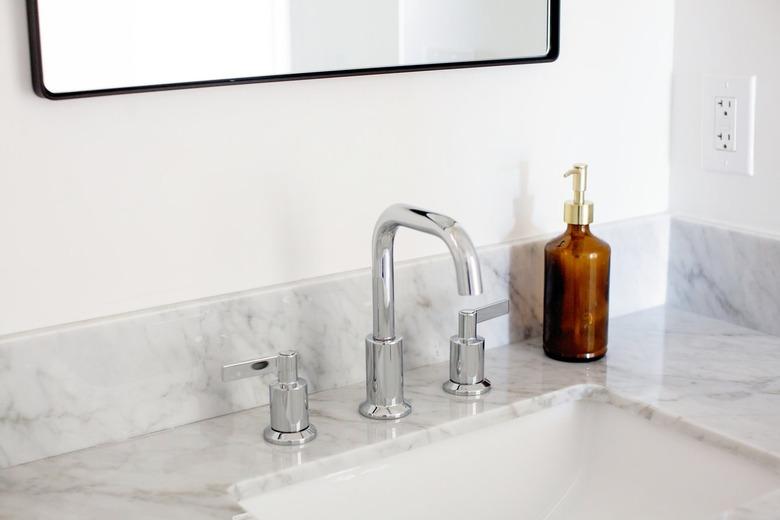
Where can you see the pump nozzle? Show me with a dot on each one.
(579, 172)
(578, 211)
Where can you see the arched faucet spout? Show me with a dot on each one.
(464, 255)
(385, 350)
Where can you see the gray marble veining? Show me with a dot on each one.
(719, 380)
(724, 273)
(79, 386)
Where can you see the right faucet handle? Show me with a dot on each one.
(467, 351)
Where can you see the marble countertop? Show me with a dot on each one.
(714, 374)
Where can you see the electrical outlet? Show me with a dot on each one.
(725, 129)
(725, 140)
(728, 116)
(725, 109)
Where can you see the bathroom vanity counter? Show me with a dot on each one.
(708, 373)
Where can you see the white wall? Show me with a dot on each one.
(726, 38)
(120, 203)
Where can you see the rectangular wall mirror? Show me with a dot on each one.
(98, 47)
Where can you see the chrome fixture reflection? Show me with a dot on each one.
(467, 351)
(384, 350)
(288, 397)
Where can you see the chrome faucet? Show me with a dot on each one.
(467, 351)
(384, 350)
(288, 397)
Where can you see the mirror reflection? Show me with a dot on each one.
(106, 44)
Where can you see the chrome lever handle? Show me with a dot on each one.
(288, 397)
(468, 318)
(249, 368)
(467, 351)
(286, 364)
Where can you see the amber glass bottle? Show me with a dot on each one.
(576, 283)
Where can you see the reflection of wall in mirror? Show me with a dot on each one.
(436, 31)
(354, 34)
(343, 34)
(94, 44)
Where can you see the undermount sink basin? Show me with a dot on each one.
(583, 459)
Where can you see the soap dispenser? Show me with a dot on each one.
(576, 282)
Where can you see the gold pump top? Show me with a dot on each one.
(578, 211)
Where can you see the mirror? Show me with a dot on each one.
(97, 47)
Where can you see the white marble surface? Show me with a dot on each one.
(363, 460)
(725, 273)
(712, 378)
(106, 381)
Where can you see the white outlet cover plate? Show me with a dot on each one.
(743, 89)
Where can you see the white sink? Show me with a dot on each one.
(578, 460)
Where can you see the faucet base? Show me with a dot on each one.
(384, 380)
(463, 390)
(290, 439)
(387, 413)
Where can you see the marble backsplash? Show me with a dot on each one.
(82, 385)
(725, 273)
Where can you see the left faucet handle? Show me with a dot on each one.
(249, 368)
(288, 397)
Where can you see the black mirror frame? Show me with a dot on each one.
(40, 88)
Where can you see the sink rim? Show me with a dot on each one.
(351, 458)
